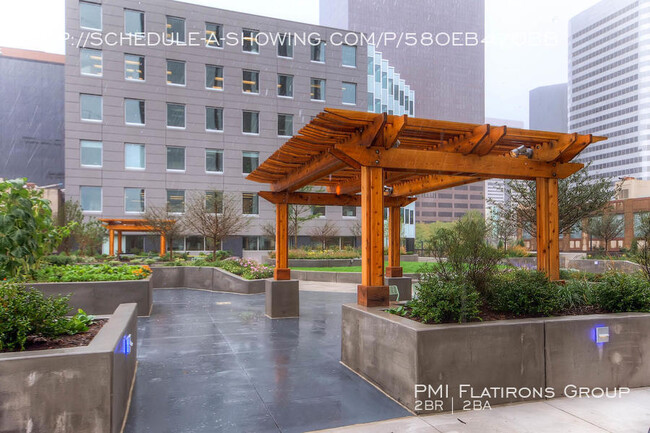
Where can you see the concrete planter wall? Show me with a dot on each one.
(397, 354)
(80, 389)
(103, 297)
(586, 265)
(196, 277)
(333, 277)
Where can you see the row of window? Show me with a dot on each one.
(91, 63)
(90, 198)
(90, 17)
(91, 109)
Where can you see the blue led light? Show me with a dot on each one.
(126, 344)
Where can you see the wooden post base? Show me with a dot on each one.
(282, 274)
(394, 271)
(373, 296)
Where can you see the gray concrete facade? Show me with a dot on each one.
(548, 108)
(155, 135)
(204, 278)
(80, 389)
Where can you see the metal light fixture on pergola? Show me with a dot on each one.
(379, 160)
(119, 225)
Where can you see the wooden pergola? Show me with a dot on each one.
(120, 225)
(379, 160)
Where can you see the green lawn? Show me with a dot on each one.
(408, 268)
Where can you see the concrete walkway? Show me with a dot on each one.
(629, 414)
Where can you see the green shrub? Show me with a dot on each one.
(524, 293)
(61, 259)
(440, 301)
(574, 274)
(574, 294)
(621, 292)
(79, 322)
(25, 312)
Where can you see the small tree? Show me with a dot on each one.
(88, 232)
(214, 216)
(463, 252)
(166, 224)
(27, 231)
(606, 227)
(502, 226)
(579, 197)
(322, 233)
(642, 256)
(355, 230)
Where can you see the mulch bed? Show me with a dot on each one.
(63, 341)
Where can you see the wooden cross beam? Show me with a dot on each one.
(432, 182)
(326, 199)
(429, 161)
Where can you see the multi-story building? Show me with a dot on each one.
(547, 108)
(608, 94)
(448, 78)
(154, 123)
(31, 129)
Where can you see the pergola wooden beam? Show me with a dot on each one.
(354, 186)
(321, 166)
(498, 166)
(432, 182)
(327, 199)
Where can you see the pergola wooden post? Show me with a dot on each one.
(548, 236)
(282, 271)
(372, 291)
(119, 242)
(163, 246)
(120, 225)
(348, 152)
(394, 268)
(111, 242)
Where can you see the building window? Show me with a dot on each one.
(349, 55)
(250, 203)
(349, 211)
(317, 50)
(194, 243)
(349, 93)
(90, 61)
(176, 115)
(249, 41)
(91, 153)
(214, 118)
(214, 77)
(91, 107)
(134, 200)
(317, 89)
(214, 160)
(175, 200)
(285, 45)
(175, 158)
(250, 161)
(176, 72)
(175, 29)
(251, 122)
(371, 66)
(90, 16)
(318, 210)
(214, 201)
(133, 67)
(285, 85)
(133, 22)
(91, 198)
(250, 81)
(257, 243)
(134, 156)
(371, 102)
(134, 111)
(213, 35)
(285, 125)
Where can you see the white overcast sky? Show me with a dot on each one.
(526, 43)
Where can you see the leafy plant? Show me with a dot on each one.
(621, 292)
(439, 301)
(103, 272)
(27, 231)
(80, 322)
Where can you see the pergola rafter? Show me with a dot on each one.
(389, 159)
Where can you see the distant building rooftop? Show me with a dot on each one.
(39, 56)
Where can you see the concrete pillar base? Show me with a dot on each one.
(282, 299)
(403, 285)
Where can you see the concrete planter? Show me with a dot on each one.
(459, 361)
(79, 389)
(329, 263)
(585, 265)
(334, 277)
(103, 297)
(197, 277)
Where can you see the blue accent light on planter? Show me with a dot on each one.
(601, 334)
(126, 344)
